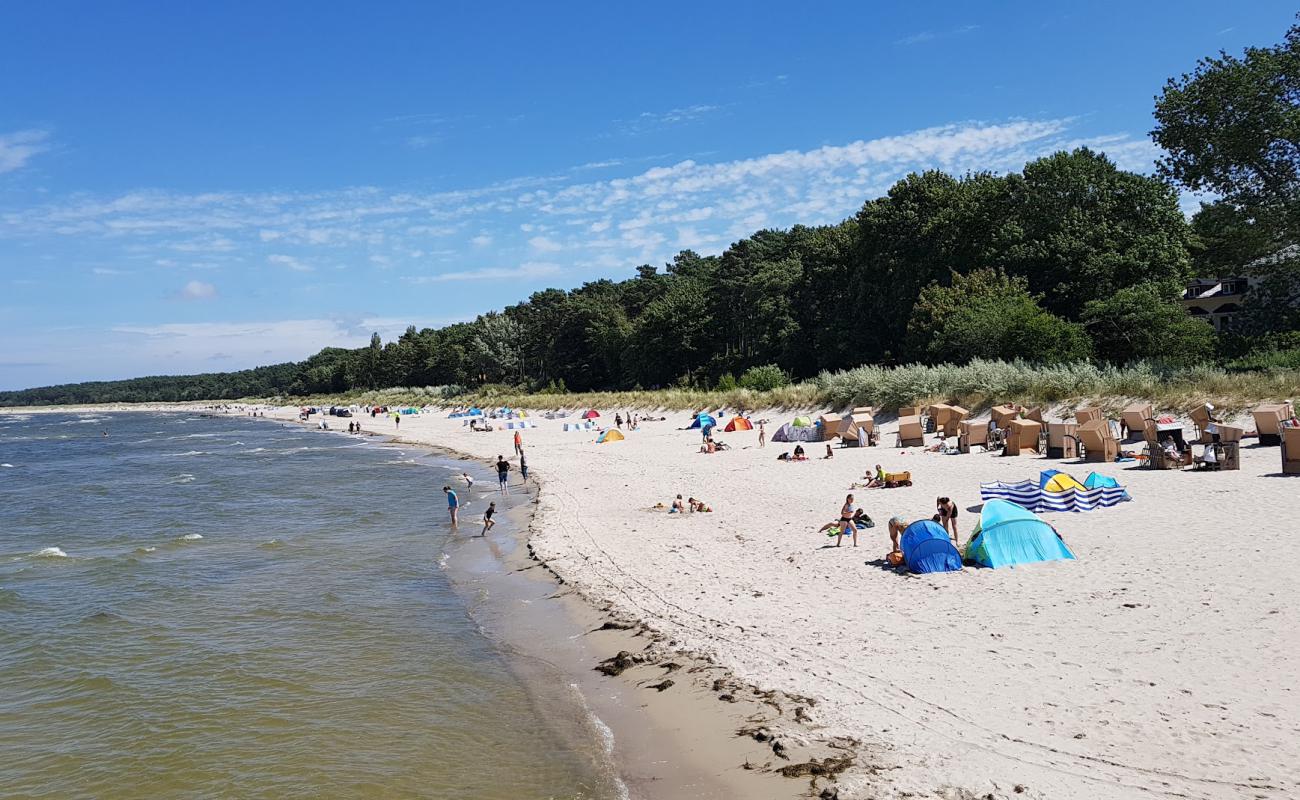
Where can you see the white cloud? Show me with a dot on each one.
(290, 262)
(17, 148)
(198, 290)
(109, 271)
(532, 269)
(482, 240)
(545, 244)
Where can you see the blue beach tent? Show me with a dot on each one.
(702, 419)
(926, 548)
(1008, 534)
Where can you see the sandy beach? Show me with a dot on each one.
(1160, 663)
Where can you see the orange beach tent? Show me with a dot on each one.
(591, 414)
(739, 424)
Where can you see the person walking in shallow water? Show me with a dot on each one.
(523, 466)
(503, 475)
(488, 522)
(453, 504)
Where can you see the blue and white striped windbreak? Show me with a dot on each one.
(1027, 494)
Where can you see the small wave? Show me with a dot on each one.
(10, 466)
(190, 453)
(401, 461)
(184, 477)
(273, 544)
(50, 552)
(144, 550)
(256, 450)
(190, 537)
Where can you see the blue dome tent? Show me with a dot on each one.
(703, 419)
(1096, 480)
(1008, 534)
(926, 548)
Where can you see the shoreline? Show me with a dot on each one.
(676, 745)
(1126, 673)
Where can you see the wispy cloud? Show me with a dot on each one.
(929, 36)
(596, 225)
(17, 148)
(648, 121)
(109, 271)
(526, 270)
(289, 262)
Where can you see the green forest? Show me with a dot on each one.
(1069, 260)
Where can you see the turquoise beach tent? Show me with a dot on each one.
(1096, 480)
(926, 548)
(1008, 534)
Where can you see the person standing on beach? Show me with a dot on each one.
(519, 443)
(453, 504)
(397, 420)
(523, 466)
(846, 523)
(488, 522)
(762, 433)
(503, 475)
(618, 421)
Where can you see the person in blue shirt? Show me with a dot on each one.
(453, 504)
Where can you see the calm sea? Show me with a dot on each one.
(204, 607)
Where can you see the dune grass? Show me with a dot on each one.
(975, 385)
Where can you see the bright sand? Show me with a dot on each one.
(1163, 662)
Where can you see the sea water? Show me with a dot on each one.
(203, 607)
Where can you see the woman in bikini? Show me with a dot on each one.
(846, 523)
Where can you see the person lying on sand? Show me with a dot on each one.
(940, 446)
(860, 521)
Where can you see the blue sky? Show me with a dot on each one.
(193, 187)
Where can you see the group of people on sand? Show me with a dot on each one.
(690, 506)
(633, 421)
(852, 519)
(712, 445)
(799, 455)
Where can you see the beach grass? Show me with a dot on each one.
(975, 385)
